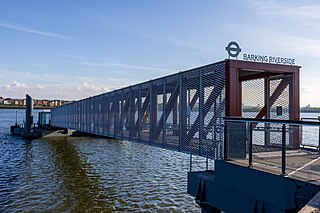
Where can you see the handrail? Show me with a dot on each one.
(251, 121)
(315, 119)
(275, 121)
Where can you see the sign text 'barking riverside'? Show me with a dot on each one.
(268, 59)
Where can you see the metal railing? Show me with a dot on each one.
(312, 119)
(240, 142)
(213, 149)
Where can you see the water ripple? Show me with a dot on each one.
(89, 175)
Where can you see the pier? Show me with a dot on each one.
(196, 112)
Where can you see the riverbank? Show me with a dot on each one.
(23, 107)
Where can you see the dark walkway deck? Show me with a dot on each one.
(300, 164)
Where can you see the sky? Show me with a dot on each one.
(78, 48)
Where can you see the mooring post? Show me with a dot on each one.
(29, 118)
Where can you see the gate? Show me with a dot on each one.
(268, 98)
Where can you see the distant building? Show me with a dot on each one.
(37, 103)
(15, 102)
(45, 102)
(7, 101)
(51, 103)
(57, 103)
(21, 102)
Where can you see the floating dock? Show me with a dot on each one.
(235, 188)
(29, 129)
(259, 178)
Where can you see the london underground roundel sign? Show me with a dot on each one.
(233, 49)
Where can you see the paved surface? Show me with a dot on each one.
(300, 164)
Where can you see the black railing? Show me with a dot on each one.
(239, 137)
(313, 119)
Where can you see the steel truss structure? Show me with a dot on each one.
(182, 112)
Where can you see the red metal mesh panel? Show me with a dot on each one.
(253, 100)
(280, 109)
(135, 112)
(145, 113)
(169, 112)
(125, 116)
(112, 106)
(171, 117)
(157, 112)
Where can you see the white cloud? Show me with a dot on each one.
(295, 44)
(289, 10)
(65, 55)
(38, 86)
(30, 30)
(86, 87)
(71, 91)
(18, 89)
(124, 65)
(275, 42)
(293, 17)
(305, 90)
(15, 86)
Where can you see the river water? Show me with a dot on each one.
(86, 174)
(79, 174)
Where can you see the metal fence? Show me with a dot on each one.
(242, 146)
(182, 112)
(309, 134)
(257, 94)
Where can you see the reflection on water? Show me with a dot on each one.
(78, 178)
(89, 174)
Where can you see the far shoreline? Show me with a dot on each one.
(23, 107)
(46, 107)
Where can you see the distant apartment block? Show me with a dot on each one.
(9, 102)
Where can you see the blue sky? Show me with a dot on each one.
(75, 49)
